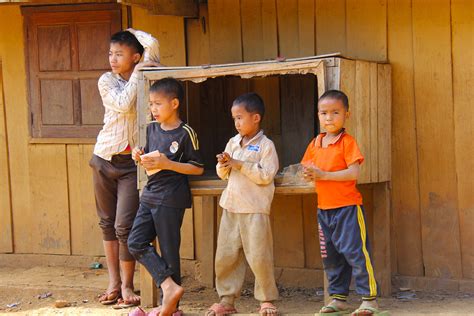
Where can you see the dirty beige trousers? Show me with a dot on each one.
(245, 236)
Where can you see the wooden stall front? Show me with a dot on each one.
(290, 90)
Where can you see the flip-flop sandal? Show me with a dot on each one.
(220, 310)
(110, 298)
(335, 311)
(267, 306)
(123, 304)
(156, 312)
(138, 312)
(369, 311)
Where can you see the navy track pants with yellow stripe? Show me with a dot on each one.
(345, 251)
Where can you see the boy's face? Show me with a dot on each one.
(122, 58)
(246, 123)
(332, 115)
(162, 107)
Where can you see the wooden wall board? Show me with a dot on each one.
(288, 237)
(295, 28)
(306, 27)
(381, 237)
(373, 156)
(225, 31)
(205, 238)
(50, 220)
(435, 137)
(330, 18)
(186, 250)
(197, 38)
(6, 238)
(86, 235)
(405, 189)
(361, 104)
(312, 253)
(170, 32)
(17, 127)
(366, 27)
(463, 80)
(259, 29)
(384, 124)
(347, 84)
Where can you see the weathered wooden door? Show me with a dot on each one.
(67, 49)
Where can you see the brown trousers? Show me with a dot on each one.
(245, 236)
(116, 197)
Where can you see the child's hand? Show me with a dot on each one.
(312, 173)
(136, 152)
(155, 162)
(146, 64)
(231, 163)
(223, 157)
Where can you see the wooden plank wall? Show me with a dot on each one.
(429, 45)
(52, 206)
(6, 242)
(426, 48)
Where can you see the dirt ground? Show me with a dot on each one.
(81, 286)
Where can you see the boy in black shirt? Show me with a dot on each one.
(173, 149)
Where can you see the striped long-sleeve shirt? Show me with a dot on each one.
(119, 98)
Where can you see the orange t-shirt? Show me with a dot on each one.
(339, 155)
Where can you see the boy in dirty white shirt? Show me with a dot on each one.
(249, 163)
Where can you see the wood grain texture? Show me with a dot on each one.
(86, 235)
(225, 31)
(49, 223)
(6, 237)
(405, 189)
(197, 38)
(330, 18)
(435, 137)
(463, 81)
(366, 27)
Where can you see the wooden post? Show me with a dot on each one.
(148, 289)
(381, 241)
(327, 299)
(205, 239)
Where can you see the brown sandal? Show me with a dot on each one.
(110, 298)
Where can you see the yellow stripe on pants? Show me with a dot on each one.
(368, 263)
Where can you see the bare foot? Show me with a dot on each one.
(129, 295)
(334, 306)
(172, 293)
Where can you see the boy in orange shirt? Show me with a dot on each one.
(333, 161)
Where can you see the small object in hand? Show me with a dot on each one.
(61, 304)
(155, 153)
(96, 265)
(45, 295)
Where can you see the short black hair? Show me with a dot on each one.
(252, 103)
(128, 39)
(336, 95)
(171, 87)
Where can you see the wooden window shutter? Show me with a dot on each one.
(67, 51)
